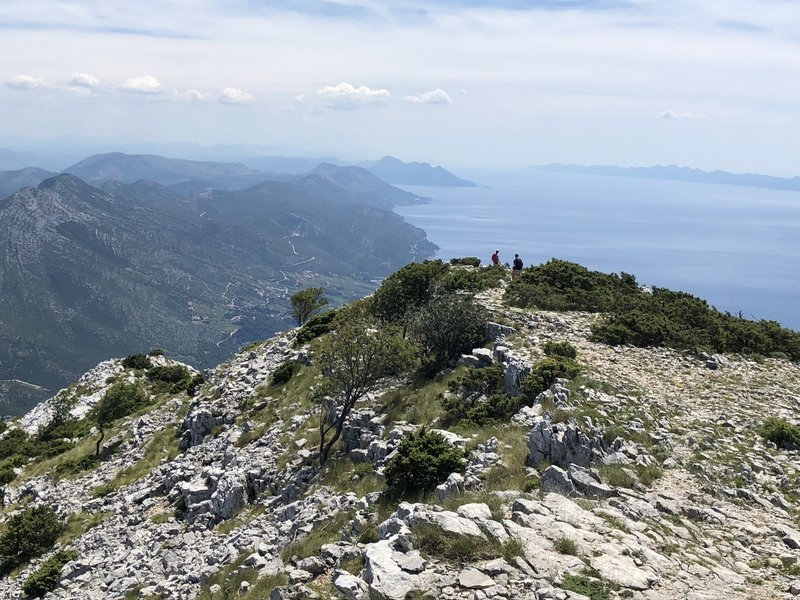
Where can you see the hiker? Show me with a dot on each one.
(517, 268)
(496, 258)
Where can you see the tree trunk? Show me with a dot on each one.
(100, 441)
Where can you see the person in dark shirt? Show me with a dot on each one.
(517, 266)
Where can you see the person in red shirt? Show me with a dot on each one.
(496, 257)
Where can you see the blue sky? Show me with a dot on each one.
(456, 82)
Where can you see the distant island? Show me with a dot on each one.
(397, 172)
(675, 173)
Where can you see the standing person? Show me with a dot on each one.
(517, 268)
(496, 258)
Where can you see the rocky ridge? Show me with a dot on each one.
(221, 489)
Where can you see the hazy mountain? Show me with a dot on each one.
(395, 171)
(291, 165)
(363, 185)
(11, 181)
(87, 273)
(130, 168)
(676, 173)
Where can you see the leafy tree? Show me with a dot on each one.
(352, 361)
(307, 303)
(424, 459)
(446, 327)
(406, 290)
(136, 361)
(120, 400)
(29, 533)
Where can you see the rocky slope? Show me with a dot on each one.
(644, 478)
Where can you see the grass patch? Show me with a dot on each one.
(433, 542)
(344, 475)
(323, 533)
(565, 545)
(596, 588)
(353, 565)
(231, 577)
(245, 516)
(79, 523)
(163, 446)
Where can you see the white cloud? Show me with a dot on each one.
(83, 80)
(189, 95)
(436, 96)
(345, 95)
(234, 96)
(669, 115)
(25, 82)
(146, 84)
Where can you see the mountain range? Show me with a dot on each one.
(675, 173)
(88, 272)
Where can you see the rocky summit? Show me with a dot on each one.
(645, 475)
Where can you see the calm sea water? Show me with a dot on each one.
(739, 248)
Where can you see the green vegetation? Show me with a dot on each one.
(306, 303)
(477, 398)
(316, 326)
(156, 352)
(284, 372)
(406, 290)
(470, 261)
(565, 545)
(588, 583)
(424, 459)
(353, 361)
(562, 349)
(136, 361)
(120, 400)
(47, 577)
(782, 433)
(449, 325)
(230, 578)
(29, 533)
(661, 318)
(170, 379)
(544, 374)
(434, 542)
(324, 533)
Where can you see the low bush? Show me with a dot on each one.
(562, 349)
(565, 545)
(316, 326)
(284, 372)
(47, 577)
(136, 361)
(434, 542)
(194, 383)
(423, 460)
(473, 280)
(782, 433)
(594, 587)
(544, 374)
(29, 533)
(657, 317)
(172, 379)
(156, 352)
(470, 261)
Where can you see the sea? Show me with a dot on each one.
(736, 247)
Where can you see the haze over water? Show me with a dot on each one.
(737, 247)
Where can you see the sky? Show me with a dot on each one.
(712, 84)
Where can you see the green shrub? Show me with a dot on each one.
(47, 577)
(7, 474)
(782, 433)
(661, 318)
(565, 545)
(470, 261)
(473, 280)
(136, 361)
(447, 327)
(120, 400)
(424, 460)
(195, 382)
(595, 588)
(406, 290)
(562, 349)
(434, 542)
(156, 352)
(170, 378)
(28, 534)
(544, 374)
(316, 326)
(284, 372)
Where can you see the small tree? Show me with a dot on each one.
(352, 360)
(29, 533)
(448, 326)
(307, 303)
(120, 400)
(423, 460)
